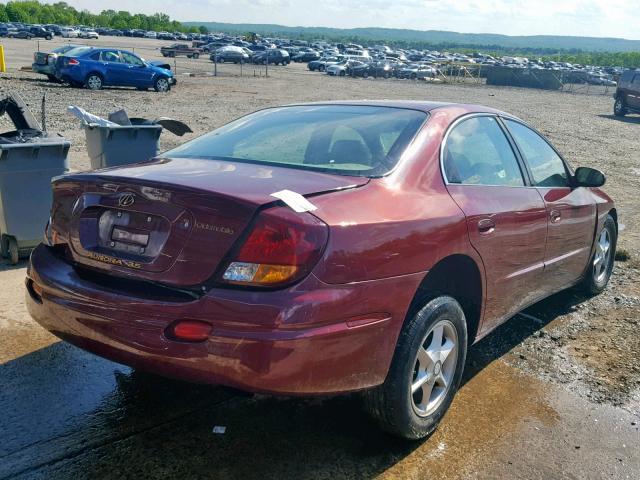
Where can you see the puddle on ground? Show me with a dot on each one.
(491, 407)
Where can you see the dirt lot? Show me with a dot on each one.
(554, 393)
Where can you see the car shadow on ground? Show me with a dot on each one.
(5, 265)
(625, 119)
(71, 414)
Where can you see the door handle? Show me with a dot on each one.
(555, 216)
(486, 226)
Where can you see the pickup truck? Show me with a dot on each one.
(178, 49)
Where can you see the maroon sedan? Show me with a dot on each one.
(323, 248)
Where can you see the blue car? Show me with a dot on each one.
(95, 68)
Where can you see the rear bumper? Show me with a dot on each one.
(310, 339)
(44, 69)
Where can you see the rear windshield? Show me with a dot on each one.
(77, 51)
(348, 140)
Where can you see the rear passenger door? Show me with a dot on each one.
(571, 212)
(113, 67)
(506, 218)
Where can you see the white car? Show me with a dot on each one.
(150, 35)
(67, 32)
(340, 69)
(88, 33)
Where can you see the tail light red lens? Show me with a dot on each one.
(282, 247)
(189, 331)
(73, 61)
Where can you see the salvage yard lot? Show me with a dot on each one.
(552, 394)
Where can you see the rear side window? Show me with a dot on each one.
(477, 152)
(547, 168)
(111, 56)
(341, 139)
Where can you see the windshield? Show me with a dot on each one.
(342, 139)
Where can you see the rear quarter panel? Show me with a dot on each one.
(399, 224)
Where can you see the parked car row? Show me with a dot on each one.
(383, 61)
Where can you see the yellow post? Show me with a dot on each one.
(3, 66)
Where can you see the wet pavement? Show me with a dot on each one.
(70, 414)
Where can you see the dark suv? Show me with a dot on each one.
(627, 94)
(273, 56)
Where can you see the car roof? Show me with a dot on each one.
(421, 105)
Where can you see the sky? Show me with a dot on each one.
(593, 18)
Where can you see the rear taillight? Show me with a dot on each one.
(282, 247)
(73, 61)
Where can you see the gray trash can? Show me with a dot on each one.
(121, 144)
(26, 170)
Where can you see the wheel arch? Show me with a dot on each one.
(614, 214)
(94, 72)
(459, 276)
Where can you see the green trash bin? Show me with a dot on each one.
(116, 145)
(26, 170)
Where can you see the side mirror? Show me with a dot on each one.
(589, 177)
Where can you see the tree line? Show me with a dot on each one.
(60, 13)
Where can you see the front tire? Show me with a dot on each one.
(619, 107)
(162, 84)
(601, 264)
(425, 372)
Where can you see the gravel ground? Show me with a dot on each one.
(562, 365)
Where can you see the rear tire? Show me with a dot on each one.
(13, 254)
(600, 265)
(619, 107)
(425, 371)
(195, 56)
(93, 81)
(4, 246)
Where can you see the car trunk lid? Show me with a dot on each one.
(170, 221)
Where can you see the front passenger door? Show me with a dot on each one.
(138, 73)
(571, 212)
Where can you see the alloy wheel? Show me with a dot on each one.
(434, 368)
(602, 256)
(162, 85)
(94, 82)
